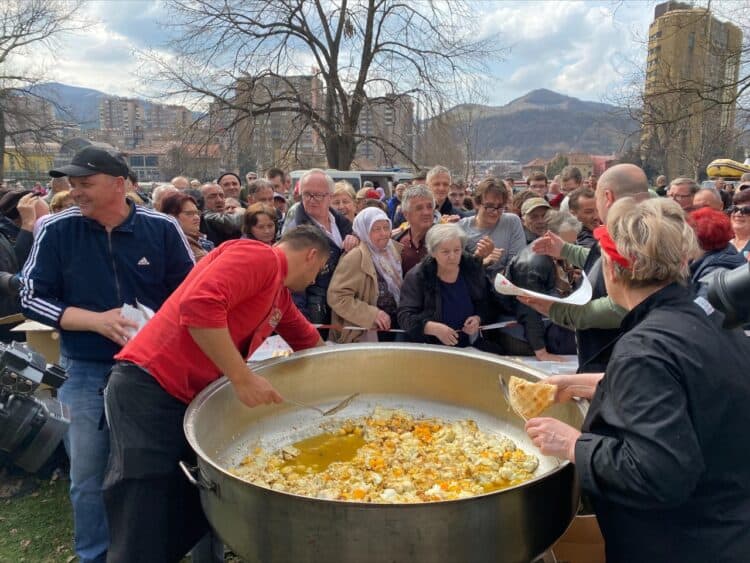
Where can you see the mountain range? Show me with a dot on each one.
(543, 123)
(538, 124)
(72, 103)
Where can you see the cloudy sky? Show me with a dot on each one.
(578, 48)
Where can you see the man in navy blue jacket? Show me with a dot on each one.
(85, 264)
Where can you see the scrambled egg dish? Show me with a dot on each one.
(390, 457)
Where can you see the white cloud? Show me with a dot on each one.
(574, 47)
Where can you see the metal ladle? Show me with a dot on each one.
(333, 410)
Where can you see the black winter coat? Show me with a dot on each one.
(705, 267)
(535, 272)
(595, 344)
(313, 302)
(420, 296)
(585, 238)
(664, 452)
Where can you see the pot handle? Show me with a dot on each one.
(196, 478)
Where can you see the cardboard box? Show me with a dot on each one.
(582, 542)
(41, 338)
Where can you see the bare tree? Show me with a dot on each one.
(25, 118)
(318, 64)
(439, 142)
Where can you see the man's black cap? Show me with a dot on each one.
(92, 160)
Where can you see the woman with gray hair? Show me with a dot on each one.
(543, 274)
(445, 297)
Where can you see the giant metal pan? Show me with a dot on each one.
(513, 525)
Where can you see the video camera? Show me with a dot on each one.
(728, 291)
(31, 424)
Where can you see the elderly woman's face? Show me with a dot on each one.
(448, 253)
(380, 234)
(344, 204)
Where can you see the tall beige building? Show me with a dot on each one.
(124, 116)
(690, 88)
(389, 121)
(280, 138)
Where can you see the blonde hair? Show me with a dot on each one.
(655, 237)
(344, 187)
(61, 200)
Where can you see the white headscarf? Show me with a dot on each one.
(387, 262)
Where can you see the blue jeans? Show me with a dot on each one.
(87, 443)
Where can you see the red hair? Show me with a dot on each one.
(712, 227)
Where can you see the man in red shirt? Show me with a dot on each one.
(237, 296)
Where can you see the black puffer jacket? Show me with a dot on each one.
(595, 344)
(420, 296)
(312, 302)
(705, 267)
(534, 272)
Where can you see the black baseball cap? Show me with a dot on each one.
(92, 160)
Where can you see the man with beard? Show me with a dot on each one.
(583, 207)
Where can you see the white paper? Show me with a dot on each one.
(272, 347)
(580, 296)
(139, 314)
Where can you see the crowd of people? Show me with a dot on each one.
(228, 262)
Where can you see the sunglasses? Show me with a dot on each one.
(744, 210)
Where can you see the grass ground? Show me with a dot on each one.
(37, 527)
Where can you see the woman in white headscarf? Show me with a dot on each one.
(366, 286)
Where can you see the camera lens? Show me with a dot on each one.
(728, 292)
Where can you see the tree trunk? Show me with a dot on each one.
(340, 151)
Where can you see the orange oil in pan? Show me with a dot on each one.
(318, 452)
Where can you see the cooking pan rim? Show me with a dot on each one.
(204, 396)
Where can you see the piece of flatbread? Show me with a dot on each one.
(530, 399)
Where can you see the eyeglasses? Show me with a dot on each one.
(190, 213)
(744, 210)
(311, 196)
(498, 208)
(681, 196)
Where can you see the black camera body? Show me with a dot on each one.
(729, 292)
(32, 420)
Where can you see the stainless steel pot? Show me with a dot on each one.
(513, 525)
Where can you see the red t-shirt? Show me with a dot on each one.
(240, 285)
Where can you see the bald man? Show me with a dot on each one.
(597, 323)
(181, 183)
(708, 197)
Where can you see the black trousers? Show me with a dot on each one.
(153, 512)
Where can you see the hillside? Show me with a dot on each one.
(80, 105)
(542, 123)
(539, 124)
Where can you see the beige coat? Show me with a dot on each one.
(353, 294)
